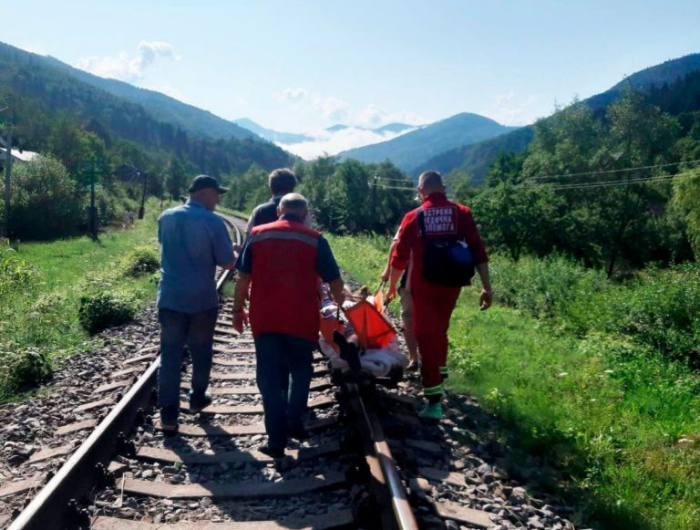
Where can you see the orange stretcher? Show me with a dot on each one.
(373, 329)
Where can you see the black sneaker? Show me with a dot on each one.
(271, 452)
(196, 405)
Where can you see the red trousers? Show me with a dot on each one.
(432, 309)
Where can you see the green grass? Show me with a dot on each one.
(592, 410)
(231, 211)
(43, 316)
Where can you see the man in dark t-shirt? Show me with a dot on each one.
(281, 181)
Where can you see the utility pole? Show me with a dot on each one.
(91, 169)
(8, 172)
(92, 216)
(142, 210)
(374, 199)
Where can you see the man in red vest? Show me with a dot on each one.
(441, 221)
(281, 263)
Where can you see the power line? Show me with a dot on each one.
(612, 183)
(609, 171)
(403, 180)
(384, 187)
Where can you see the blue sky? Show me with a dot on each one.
(303, 65)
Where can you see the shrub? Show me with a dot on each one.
(547, 287)
(662, 309)
(22, 370)
(659, 308)
(14, 271)
(105, 309)
(141, 261)
(46, 202)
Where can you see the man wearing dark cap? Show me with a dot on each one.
(193, 243)
(437, 242)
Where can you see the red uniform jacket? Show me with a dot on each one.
(283, 297)
(444, 220)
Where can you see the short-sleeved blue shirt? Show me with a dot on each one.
(193, 242)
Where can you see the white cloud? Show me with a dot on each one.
(375, 116)
(372, 115)
(333, 143)
(125, 67)
(509, 109)
(332, 108)
(292, 95)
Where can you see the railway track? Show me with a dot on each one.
(211, 471)
(117, 470)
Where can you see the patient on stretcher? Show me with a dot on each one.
(363, 321)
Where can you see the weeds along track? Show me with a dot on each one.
(103, 462)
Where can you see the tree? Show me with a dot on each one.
(74, 147)
(247, 190)
(586, 159)
(640, 135)
(459, 185)
(686, 197)
(507, 167)
(46, 202)
(520, 219)
(176, 179)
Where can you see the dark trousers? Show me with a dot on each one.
(280, 356)
(177, 329)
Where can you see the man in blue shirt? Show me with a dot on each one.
(194, 241)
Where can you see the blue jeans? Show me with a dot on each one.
(177, 329)
(278, 357)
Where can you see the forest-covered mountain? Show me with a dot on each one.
(476, 158)
(163, 108)
(48, 98)
(271, 135)
(413, 148)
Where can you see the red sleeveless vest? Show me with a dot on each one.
(284, 296)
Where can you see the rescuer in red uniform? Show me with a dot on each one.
(437, 224)
(281, 262)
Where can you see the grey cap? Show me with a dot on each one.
(202, 182)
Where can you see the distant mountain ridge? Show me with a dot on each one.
(411, 149)
(270, 135)
(476, 158)
(388, 128)
(286, 138)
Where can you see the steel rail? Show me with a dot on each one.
(386, 480)
(79, 473)
(47, 509)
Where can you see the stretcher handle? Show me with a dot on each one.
(381, 288)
